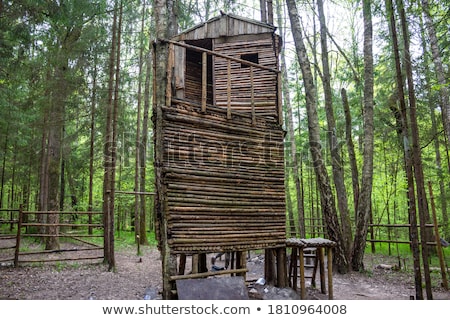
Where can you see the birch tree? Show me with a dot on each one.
(364, 208)
(439, 68)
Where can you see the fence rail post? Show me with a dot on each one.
(19, 228)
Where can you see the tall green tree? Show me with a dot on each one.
(315, 148)
(293, 164)
(364, 208)
(424, 214)
(403, 129)
(337, 164)
(166, 26)
(110, 146)
(439, 67)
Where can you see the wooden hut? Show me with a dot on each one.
(219, 161)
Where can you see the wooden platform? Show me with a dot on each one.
(298, 247)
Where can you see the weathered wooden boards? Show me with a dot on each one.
(224, 180)
(225, 25)
(219, 163)
(249, 90)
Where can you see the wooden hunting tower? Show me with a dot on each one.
(219, 162)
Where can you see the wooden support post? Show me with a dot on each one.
(281, 268)
(228, 89)
(316, 265)
(204, 80)
(269, 266)
(232, 257)
(170, 64)
(171, 269)
(19, 228)
(182, 264)
(202, 267)
(195, 263)
(252, 97)
(321, 257)
(241, 263)
(301, 259)
(310, 245)
(293, 273)
(330, 272)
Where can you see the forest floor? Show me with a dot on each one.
(136, 274)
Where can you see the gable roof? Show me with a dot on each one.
(225, 25)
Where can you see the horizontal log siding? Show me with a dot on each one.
(224, 181)
(264, 82)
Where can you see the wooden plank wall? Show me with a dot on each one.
(224, 180)
(225, 26)
(264, 82)
(193, 77)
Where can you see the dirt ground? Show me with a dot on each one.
(136, 275)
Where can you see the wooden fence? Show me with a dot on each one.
(437, 243)
(8, 217)
(77, 244)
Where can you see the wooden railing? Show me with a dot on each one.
(7, 240)
(25, 226)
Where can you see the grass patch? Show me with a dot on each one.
(402, 256)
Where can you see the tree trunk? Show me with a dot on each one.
(112, 260)
(440, 174)
(110, 153)
(336, 161)
(326, 194)
(294, 163)
(91, 143)
(143, 144)
(439, 68)
(165, 22)
(4, 152)
(437, 152)
(364, 211)
(43, 174)
(13, 183)
(403, 131)
(289, 207)
(350, 148)
(59, 91)
(424, 214)
(141, 237)
(54, 156)
(62, 184)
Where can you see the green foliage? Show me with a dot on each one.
(125, 240)
(400, 255)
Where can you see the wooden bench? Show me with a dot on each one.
(298, 247)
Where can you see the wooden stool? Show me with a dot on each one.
(298, 246)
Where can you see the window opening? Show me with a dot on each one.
(251, 57)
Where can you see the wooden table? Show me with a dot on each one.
(298, 246)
